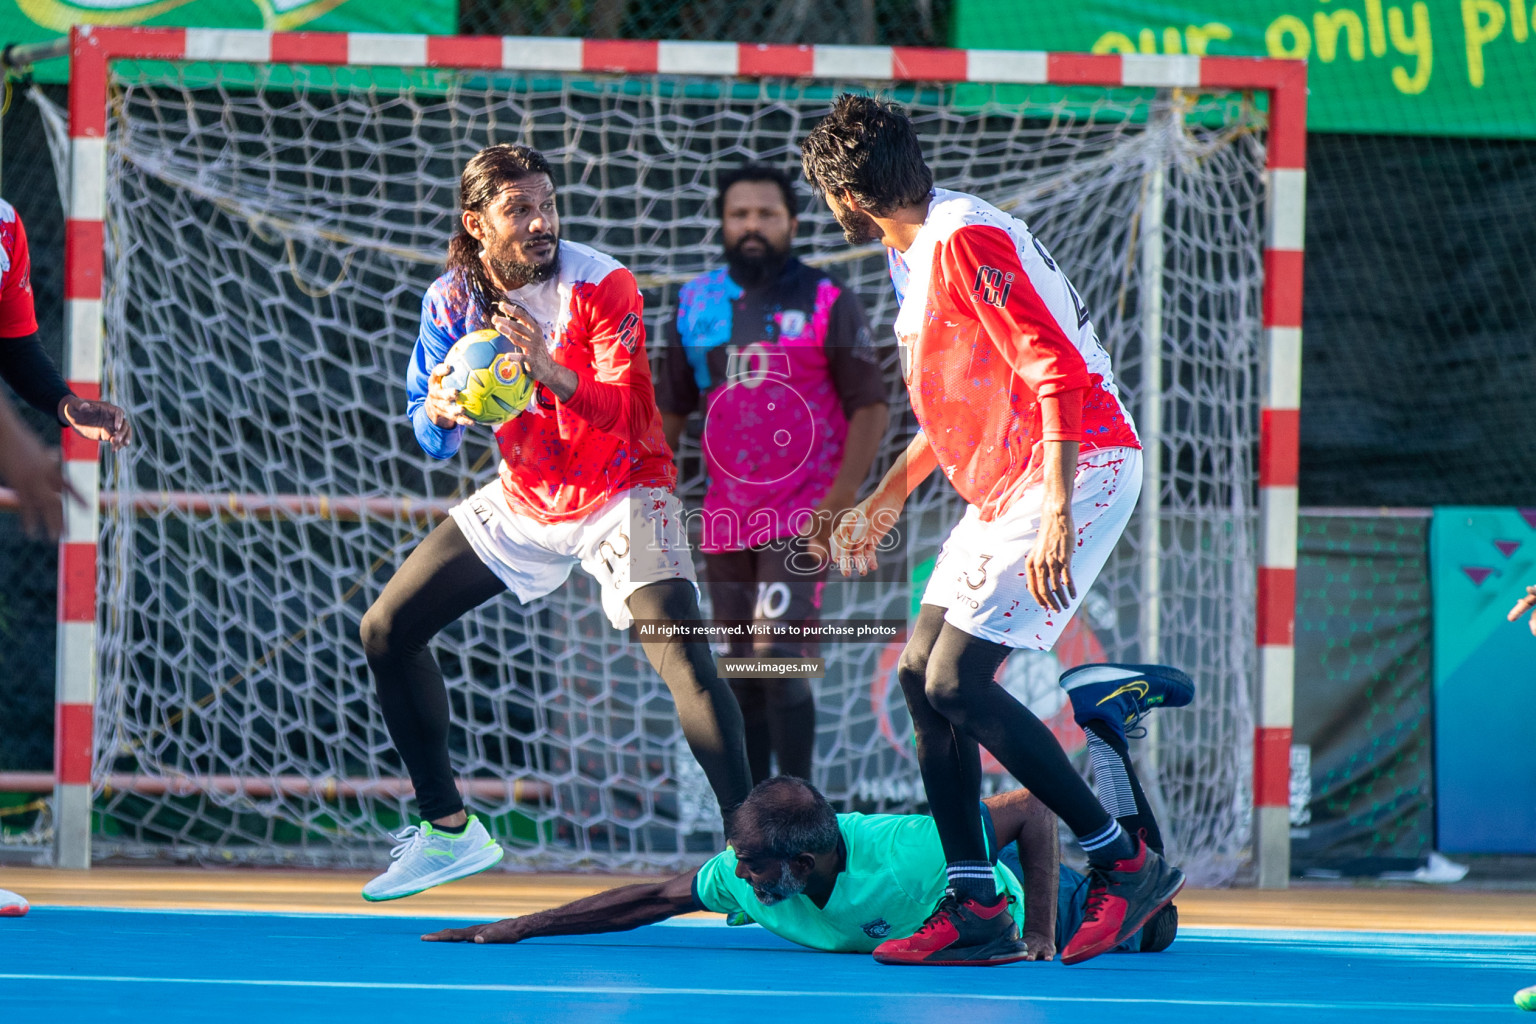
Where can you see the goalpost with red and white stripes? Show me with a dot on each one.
(252, 217)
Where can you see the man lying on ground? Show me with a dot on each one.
(844, 883)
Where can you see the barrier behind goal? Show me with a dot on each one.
(254, 218)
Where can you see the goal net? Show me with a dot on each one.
(269, 231)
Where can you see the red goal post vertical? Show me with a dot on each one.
(1279, 451)
(92, 49)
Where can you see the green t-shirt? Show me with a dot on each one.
(891, 882)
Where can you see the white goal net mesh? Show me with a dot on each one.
(270, 231)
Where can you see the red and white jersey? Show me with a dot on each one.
(989, 325)
(17, 315)
(562, 460)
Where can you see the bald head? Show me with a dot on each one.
(782, 818)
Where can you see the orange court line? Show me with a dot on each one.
(505, 894)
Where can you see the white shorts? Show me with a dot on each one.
(636, 538)
(979, 574)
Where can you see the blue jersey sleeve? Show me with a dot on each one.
(432, 344)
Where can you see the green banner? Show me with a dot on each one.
(1443, 67)
(31, 21)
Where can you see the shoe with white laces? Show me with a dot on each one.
(427, 857)
(12, 905)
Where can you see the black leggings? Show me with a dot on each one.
(441, 580)
(947, 677)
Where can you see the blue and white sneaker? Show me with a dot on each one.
(1122, 695)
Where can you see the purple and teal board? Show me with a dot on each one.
(1481, 560)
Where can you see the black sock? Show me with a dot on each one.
(452, 830)
(972, 880)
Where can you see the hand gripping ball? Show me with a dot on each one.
(487, 371)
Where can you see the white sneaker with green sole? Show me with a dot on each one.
(427, 857)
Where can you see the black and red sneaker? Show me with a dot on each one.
(1121, 899)
(959, 934)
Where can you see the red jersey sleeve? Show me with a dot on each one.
(980, 270)
(17, 315)
(616, 394)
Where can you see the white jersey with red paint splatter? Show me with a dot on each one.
(989, 325)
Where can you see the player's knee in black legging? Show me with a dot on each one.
(912, 668)
(928, 724)
(439, 581)
(948, 761)
(955, 673)
(385, 636)
(912, 673)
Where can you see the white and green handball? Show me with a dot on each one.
(487, 371)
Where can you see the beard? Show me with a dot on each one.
(508, 260)
(750, 269)
(859, 228)
(787, 885)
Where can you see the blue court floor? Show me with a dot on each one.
(63, 966)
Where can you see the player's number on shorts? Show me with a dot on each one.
(772, 600)
(609, 551)
(982, 568)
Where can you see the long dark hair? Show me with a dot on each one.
(491, 170)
